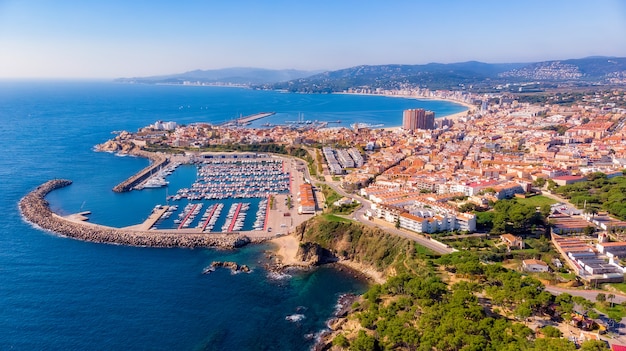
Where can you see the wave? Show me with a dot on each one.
(294, 318)
(278, 276)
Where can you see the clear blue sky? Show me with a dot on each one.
(122, 38)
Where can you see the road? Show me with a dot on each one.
(359, 216)
(587, 294)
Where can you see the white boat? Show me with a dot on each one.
(155, 182)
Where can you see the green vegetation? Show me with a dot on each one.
(422, 312)
(370, 246)
(512, 216)
(551, 332)
(329, 194)
(332, 218)
(451, 302)
(619, 286)
(331, 197)
(536, 201)
(560, 129)
(598, 193)
(288, 202)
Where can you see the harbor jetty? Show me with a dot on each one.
(36, 210)
(158, 162)
(245, 120)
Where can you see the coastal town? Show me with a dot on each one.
(432, 181)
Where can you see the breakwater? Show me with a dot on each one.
(247, 119)
(158, 162)
(36, 210)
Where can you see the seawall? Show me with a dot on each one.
(158, 161)
(36, 210)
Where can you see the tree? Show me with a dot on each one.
(610, 297)
(545, 210)
(341, 341)
(593, 314)
(591, 210)
(539, 182)
(397, 223)
(589, 230)
(594, 345)
(615, 315)
(601, 297)
(364, 342)
(552, 185)
(551, 332)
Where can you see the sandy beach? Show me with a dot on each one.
(287, 248)
(454, 116)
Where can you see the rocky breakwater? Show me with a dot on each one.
(36, 210)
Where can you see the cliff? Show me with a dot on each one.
(323, 241)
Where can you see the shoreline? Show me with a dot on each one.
(286, 250)
(454, 116)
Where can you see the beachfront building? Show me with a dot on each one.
(306, 199)
(418, 119)
(426, 217)
(160, 125)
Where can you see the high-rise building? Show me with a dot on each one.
(418, 119)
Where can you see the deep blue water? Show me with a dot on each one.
(62, 294)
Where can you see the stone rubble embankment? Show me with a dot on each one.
(36, 210)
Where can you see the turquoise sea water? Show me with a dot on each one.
(62, 294)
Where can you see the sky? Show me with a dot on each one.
(136, 38)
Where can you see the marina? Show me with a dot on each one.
(232, 178)
(207, 188)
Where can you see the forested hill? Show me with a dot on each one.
(430, 302)
(593, 70)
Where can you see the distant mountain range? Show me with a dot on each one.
(591, 70)
(586, 71)
(238, 76)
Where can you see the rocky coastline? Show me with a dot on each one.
(36, 210)
(233, 266)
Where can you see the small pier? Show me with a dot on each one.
(209, 217)
(189, 214)
(234, 220)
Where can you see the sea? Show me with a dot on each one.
(58, 293)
